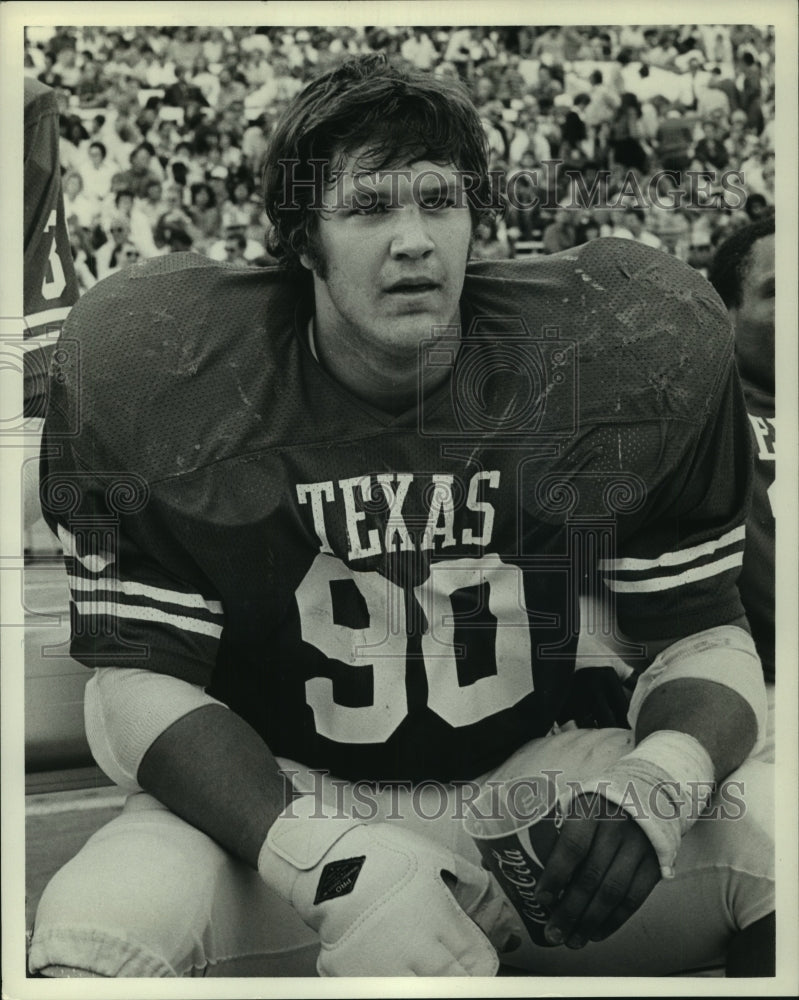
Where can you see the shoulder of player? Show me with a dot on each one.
(172, 302)
(643, 322)
(166, 353)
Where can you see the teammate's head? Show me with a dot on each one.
(392, 115)
(742, 272)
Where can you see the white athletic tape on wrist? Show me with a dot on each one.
(665, 784)
(126, 709)
(725, 655)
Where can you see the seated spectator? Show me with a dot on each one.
(141, 231)
(235, 236)
(740, 143)
(82, 255)
(419, 50)
(92, 86)
(109, 255)
(205, 214)
(160, 71)
(528, 139)
(490, 242)
(76, 203)
(128, 255)
(673, 141)
(709, 151)
(603, 102)
(182, 93)
(632, 226)
(217, 178)
(152, 205)
(562, 233)
(758, 174)
(254, 144)
(206, 81)
(234, 246)
(232, 87)
(627, 136)
(144, 168)
(96, 173)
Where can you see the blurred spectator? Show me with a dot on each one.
(419, 50)
(96, 173)
(234, 246)
(82, 256)
(627, 135)
(490, 242)
(207, 82)
(144, 168)
(235, 233)
(108, 256)
(689, 97)
(562, 233)
(76, 203)
(181, 92)
(631, 226)
(128, 255)
(141, 232)
(205, 213)
(673, 141)
(152, 205)
(603, 101)
(528, 139)
(710, 150)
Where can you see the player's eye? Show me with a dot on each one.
(435, 201)
(372, 207)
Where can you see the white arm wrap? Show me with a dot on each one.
(725, 655)
(665, 784)
(126, 710)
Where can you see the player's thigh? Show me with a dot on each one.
(151, 895)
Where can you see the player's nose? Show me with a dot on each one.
(410, 237)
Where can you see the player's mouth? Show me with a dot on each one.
(413, 286)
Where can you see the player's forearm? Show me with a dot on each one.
(719, 718)
(157, 732)
(212, 769)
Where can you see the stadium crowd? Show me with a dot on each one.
(659, 134)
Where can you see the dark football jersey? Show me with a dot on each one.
(757, 575)
(395, 597)
(50, 286)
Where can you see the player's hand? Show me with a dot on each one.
(600, 871)
(385, 901)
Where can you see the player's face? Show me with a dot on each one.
(754, 317)
(390, 258)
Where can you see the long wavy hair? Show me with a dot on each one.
(394, 115)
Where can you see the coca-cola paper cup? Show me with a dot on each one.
(515, 826)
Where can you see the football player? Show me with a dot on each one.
(49, 283)
(742, 273)
(327, 527)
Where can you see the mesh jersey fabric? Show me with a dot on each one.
(49, 283)
(757, 580)
(395, 597)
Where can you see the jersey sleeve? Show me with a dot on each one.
(49, 284)
(676, 572)
(137, 597)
